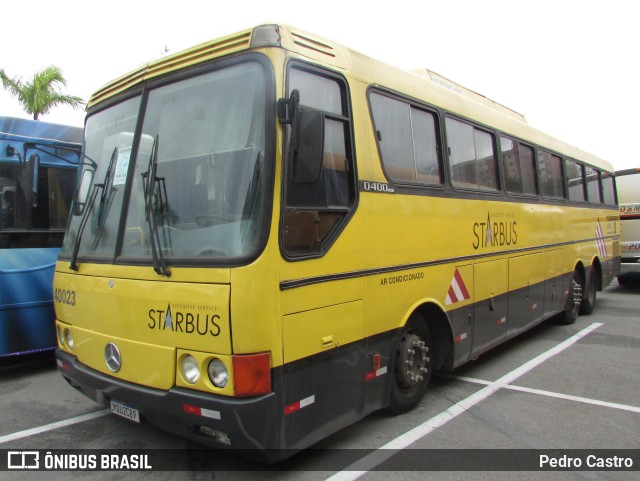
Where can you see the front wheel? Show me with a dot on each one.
(412, 367)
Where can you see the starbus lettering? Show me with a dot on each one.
(199, 323)
(495, 233)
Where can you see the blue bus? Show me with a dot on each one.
(38, 170)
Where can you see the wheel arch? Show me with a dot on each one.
(432, 313)
(597, 265)
(579, 266)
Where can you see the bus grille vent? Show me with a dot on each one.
(189, 57)
(200, 54)
(314, 45)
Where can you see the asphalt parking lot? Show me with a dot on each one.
(557, 387)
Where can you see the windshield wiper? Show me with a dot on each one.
(89, 207)
(107, 189)
(153, 191)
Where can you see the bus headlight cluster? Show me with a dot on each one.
(204, 371)
(190, 369)
(218, 374)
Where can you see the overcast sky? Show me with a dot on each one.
(571, 67)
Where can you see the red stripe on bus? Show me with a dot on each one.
(461, 285)
(452, 295)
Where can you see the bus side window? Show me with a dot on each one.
(11, 209)
(472, 158)
(315, 212)
(518, 162)
(408, 138)
(8, 212)
(608, 189)
(593, 185)
(575, 180)
(551, 178)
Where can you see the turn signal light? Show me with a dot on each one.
(252, 374)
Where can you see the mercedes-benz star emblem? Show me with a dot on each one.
(112, 357)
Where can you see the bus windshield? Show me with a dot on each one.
(191, 185)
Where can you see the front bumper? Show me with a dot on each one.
(251, 424)
(629, 265)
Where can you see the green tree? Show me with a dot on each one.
(41, 94)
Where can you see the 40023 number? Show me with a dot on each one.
(65, 296)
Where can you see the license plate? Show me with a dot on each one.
(125, 411)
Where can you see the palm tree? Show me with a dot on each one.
(40, 95)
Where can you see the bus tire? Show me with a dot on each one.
(574, 300)
(412, 366)
(589, 299)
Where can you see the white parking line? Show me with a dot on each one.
(541, 392)
(383, 453)
(52, 426)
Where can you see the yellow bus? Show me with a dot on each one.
(275, 236)
(628, 189)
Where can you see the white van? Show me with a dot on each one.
(628, 186)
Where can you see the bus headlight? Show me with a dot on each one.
(218, 373)
(190, 369)
(68, 339)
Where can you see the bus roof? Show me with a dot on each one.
(422, 85)
(620, 173)
(37, 130)
(63, 142)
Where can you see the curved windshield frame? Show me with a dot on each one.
(194, 184)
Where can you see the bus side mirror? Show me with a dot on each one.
(307, 146)
(34, 165)
(83, 192)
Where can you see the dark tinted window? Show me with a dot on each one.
(551, 179)
(519, 167)
(593, 185)
(575, 180)
(314, 212)
(472, 159)
(408, 140)
(608, 189)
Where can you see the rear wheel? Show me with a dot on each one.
(412, 366)
(589, 299)
(574, 300)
